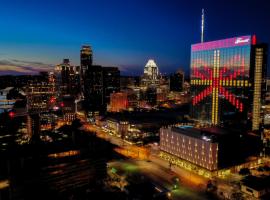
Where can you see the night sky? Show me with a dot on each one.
(37, 34)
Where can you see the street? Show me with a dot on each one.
(192, 186)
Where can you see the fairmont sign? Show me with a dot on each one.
(241, 40)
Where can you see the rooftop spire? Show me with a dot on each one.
(202, 27)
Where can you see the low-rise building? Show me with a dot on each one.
(209, 148)
(118, 102)
(187, 143)
(256, 186)
(120, 128)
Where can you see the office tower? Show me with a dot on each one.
(68, 108)
(111, 82)
(151, 96)
(177, 81)
(151, 70)
(74, 85)
(227, 81)
(93, 92)
(86, 57)
(40, 97)
(151, 74)
(67, 79)
(65, 76)
(33, 126)
(58, 80)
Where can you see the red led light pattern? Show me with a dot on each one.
(224, 79)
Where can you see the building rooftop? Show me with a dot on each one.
(257, 183)
(207, 134)
(6, 90)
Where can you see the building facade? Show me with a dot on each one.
(40, 97)
(151, 74)
(93, 89)
(86, 57)
(227, 81)
(118, 102)
(190, 145)
(177, 81)
(111, 82)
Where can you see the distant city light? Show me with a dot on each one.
(56, 108)
(11, 114)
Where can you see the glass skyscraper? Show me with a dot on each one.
(227, 78)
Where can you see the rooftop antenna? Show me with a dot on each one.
(202, 27)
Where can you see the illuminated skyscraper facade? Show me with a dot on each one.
(150, 74)
(86, 58)
(227, 79)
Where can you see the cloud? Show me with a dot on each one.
(17, 67)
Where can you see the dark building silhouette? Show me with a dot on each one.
(151, 95)
(177, 81)
(86, 57)
(33, 126)
(111, 82)
(97, 82)
(68, 79)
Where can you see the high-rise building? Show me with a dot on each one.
(227, 81)
(111, 82)
(67, 79)
(151, 70)
(33, 126)
(74, 86)
(58, 80)
(177, 81)
(40, 97)
(68, 108)
(151, 74)
(65, 76)
(93, 89)
(86, 58)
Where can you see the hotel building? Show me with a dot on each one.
(190, 145)
(228, 81)
(208, 148)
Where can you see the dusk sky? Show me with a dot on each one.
(37, 34)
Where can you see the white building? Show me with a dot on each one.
(151, 76)
(151, 70)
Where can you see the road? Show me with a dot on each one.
(157, 169)
(162, 176)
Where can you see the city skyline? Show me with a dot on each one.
(37, 35)
(125, 99)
